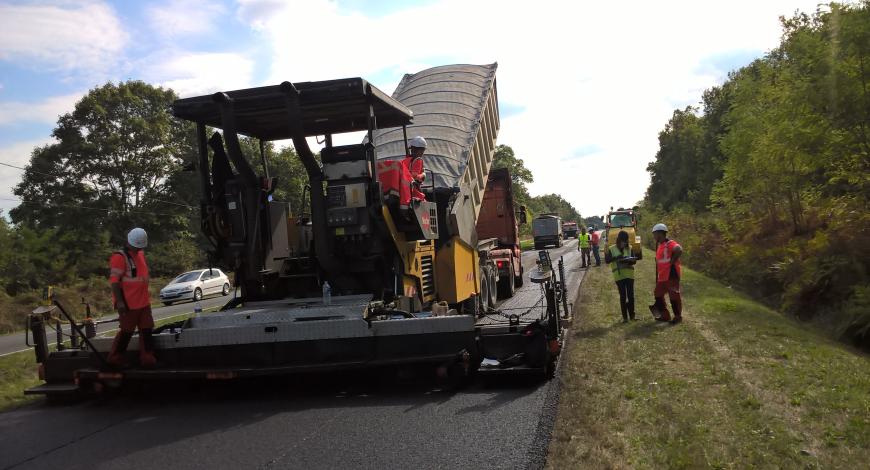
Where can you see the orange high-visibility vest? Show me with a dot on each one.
(132, 274)
(663, 261)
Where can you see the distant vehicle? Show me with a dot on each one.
(623, 219)
(194, 285)
(547, 230)
(569, 229)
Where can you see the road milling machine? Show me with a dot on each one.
(371, 279)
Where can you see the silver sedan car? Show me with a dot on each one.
(194, 285)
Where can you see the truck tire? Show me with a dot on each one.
(483, 298)
(518, 282)
(493, 282)
(507, 284)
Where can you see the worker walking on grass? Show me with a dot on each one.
(128, 275)
(583, 244)
(595, 239)
(668, 273)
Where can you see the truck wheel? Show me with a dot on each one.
(506, 285)
(483, 298)
(518, 282)
(493, 291)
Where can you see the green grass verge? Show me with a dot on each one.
(18, 371)
(737, 385)
(526, 245)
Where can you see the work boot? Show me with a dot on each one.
(117, 356)
(146, 349)
(676, 320)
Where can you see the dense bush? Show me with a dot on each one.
(768, 185)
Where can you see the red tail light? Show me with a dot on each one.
(500, 264)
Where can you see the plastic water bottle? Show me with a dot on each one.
(327, 294)
(197, 309)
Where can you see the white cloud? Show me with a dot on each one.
(176, 18)
(86, 36)
(45, 111)
(191, 74)
(586, 74)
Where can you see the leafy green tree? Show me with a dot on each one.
(768, 187)
(110, 166)
(110, 169)
(520, 175)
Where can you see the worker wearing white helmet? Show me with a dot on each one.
(668, 273)
(128, 275)
(414, 163)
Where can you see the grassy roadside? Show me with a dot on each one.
(18, 371)
(526, 245)
(737, 385)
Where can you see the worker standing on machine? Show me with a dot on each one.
(583, 244)
(618, 256)
(413, 163)
(668, 273)
(128, 275)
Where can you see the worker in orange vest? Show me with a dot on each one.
(128, 275)
(414, 165)
(596, 238)
(668, 273)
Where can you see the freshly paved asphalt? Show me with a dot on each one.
(327, 421)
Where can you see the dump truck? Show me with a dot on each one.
(500, 220)
(570, 229)
(547, 230)
(623, 219)
(360, 281)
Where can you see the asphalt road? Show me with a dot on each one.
(326, 421)
(14, 342)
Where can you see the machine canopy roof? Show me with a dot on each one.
(326, 107)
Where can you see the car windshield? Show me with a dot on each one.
(187, 277)
(620, 220)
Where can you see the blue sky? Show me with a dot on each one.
(583, 86)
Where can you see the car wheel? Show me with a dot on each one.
(226, 290)
(197, 295)
(167, 303)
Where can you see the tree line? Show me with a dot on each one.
(505, 157)
(767, 183)
(119, 160)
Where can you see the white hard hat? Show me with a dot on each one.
(418, 142)
(137, 238)
(660, 228)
